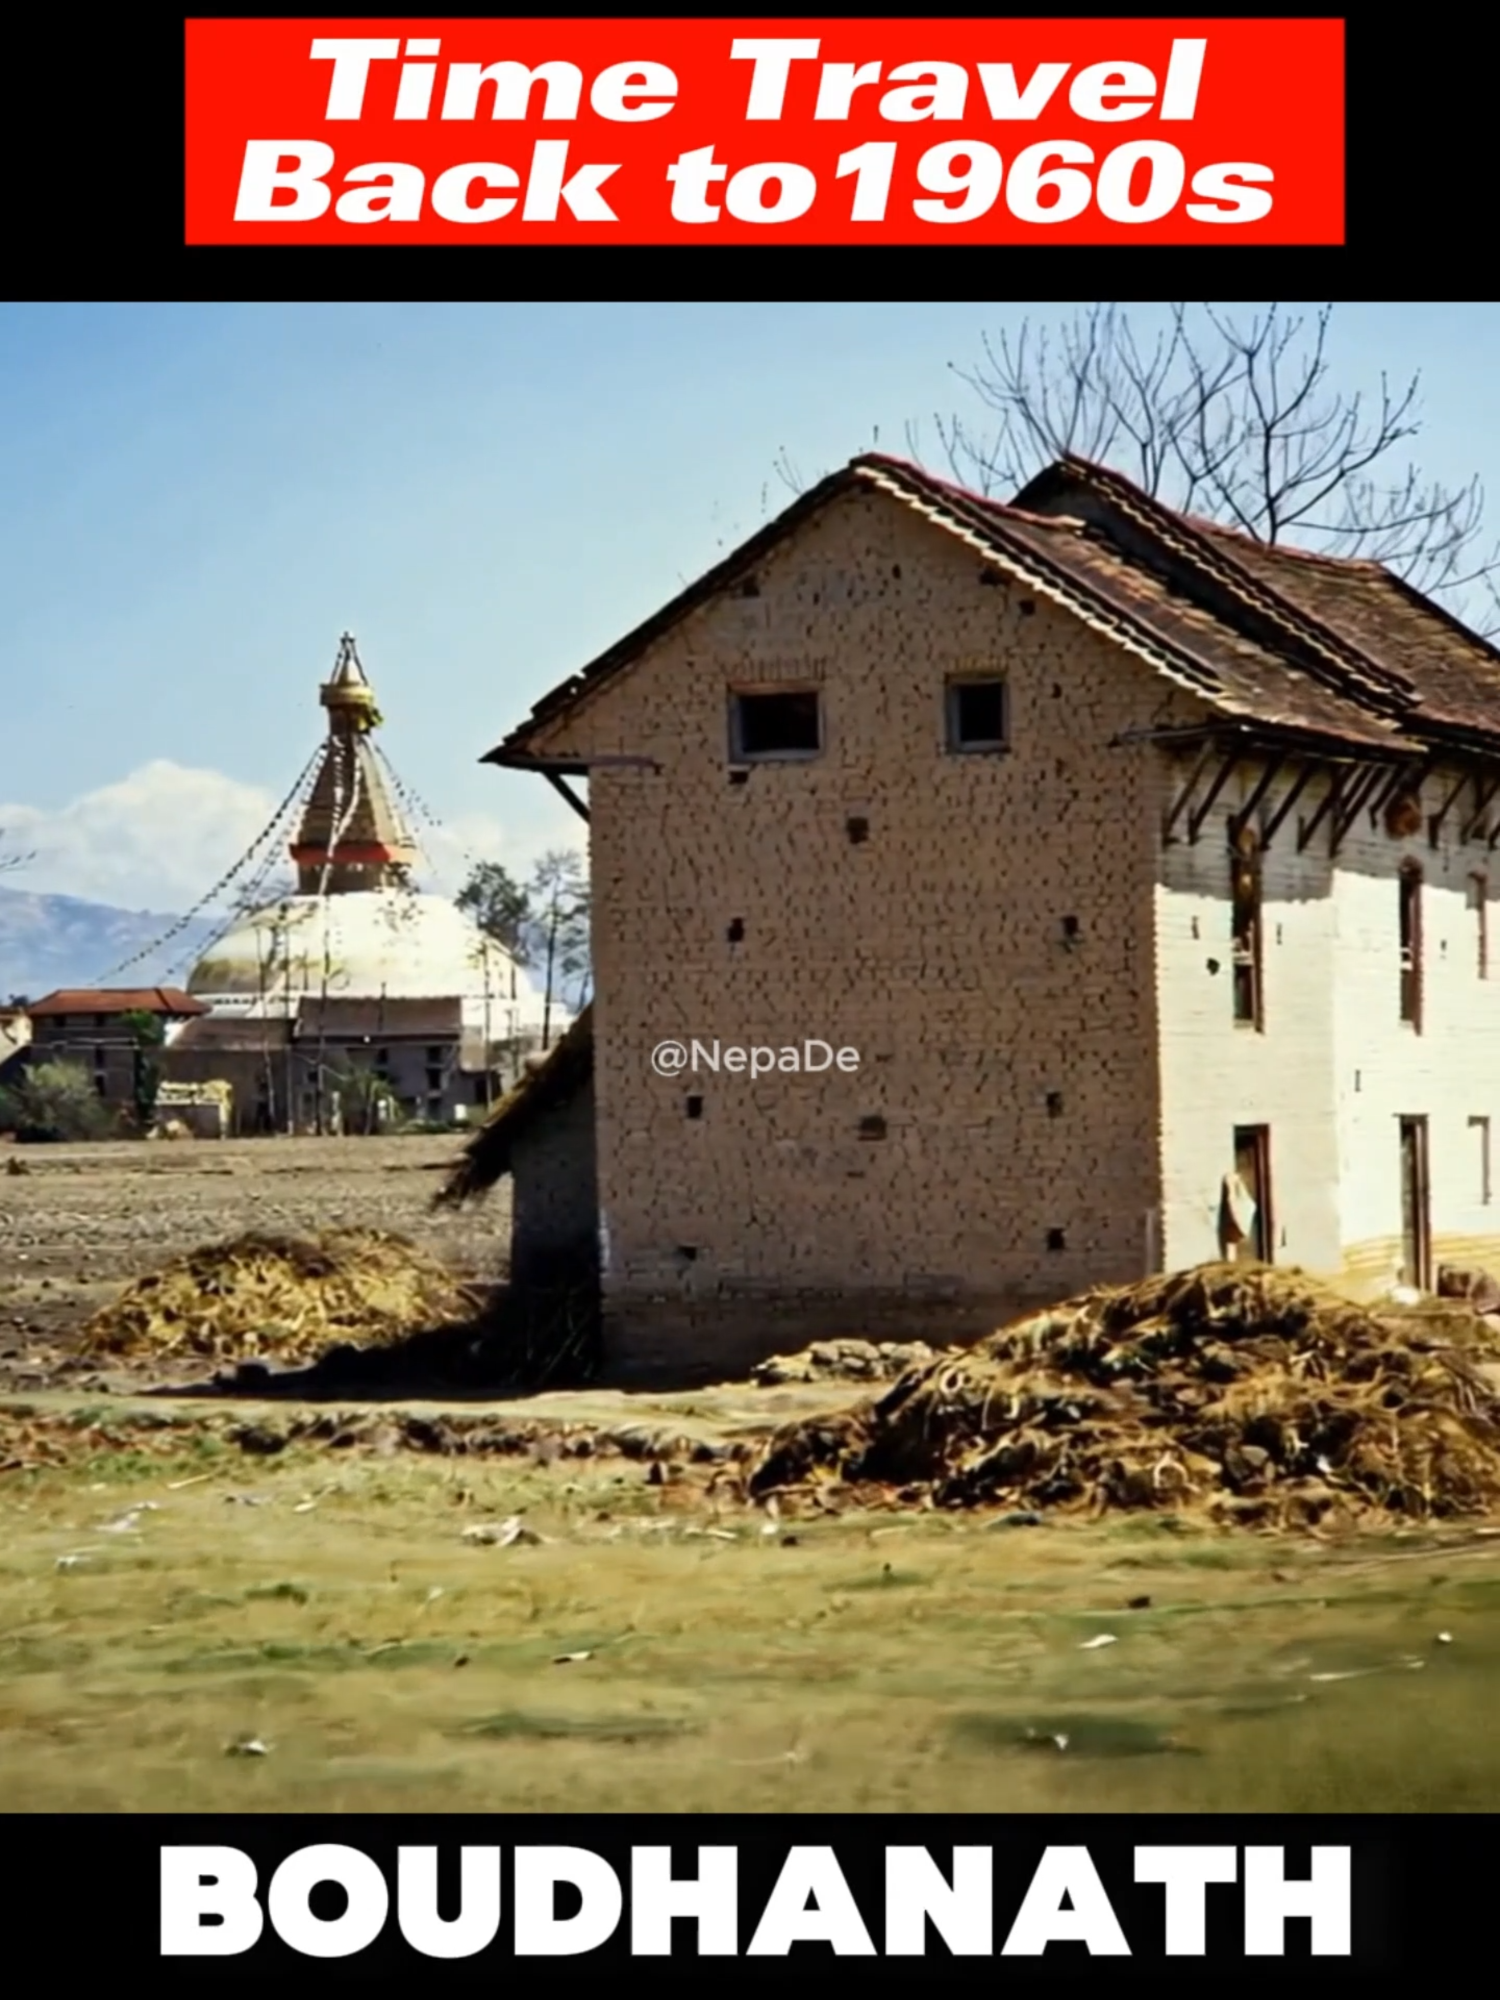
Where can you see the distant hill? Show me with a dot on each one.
(52, 941)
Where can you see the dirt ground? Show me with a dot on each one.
(220, 1609)
(562, 1602)
(81, 1221)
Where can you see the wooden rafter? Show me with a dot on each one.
(561, 786)
(1247, 812)
(1179, 804)
(1226, 769)
(1435, 820)
(1294, 792)
(1405, 780)
(1336, 790)
(1484, 791)
(1348, 812)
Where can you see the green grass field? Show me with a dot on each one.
(876, 1662)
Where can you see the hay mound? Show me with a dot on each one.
(281, 1297)
(1252, 1394)
(844, 1361)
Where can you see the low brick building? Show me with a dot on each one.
(294, 1071)
(1147, 868)
(542, 1135)
(84, 1026)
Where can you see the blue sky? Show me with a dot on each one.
(200, 498)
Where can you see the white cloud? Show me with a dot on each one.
(162, 837)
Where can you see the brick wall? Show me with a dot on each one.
(1216, 1073)
(1385, 1070)
(936, 948)
(1336, 1068)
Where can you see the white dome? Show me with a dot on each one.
(373, 944)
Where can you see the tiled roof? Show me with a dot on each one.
(1336, 652)
(429, 1020)
(117, 1000)
(230, 1037)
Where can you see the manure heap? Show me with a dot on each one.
(1249, 1394)
(282, 1298)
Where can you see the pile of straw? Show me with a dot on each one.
(280, 1298)
(1250, 1394)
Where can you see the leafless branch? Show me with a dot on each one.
(1238, 421)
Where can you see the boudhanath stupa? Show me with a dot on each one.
(358, 959)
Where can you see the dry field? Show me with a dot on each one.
(81, 1221)
(212, 1606)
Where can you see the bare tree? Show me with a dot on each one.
(558, 897)
(1235, 420)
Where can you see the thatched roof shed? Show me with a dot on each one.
(488, 1156)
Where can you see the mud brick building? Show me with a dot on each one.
(1149, 869)
(86, 1028)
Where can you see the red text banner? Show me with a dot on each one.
(781, 131)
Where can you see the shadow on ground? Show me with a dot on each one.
(520, 1342)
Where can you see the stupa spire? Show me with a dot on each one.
(352, 835)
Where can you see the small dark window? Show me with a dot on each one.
(695, 1107)
(1054, 1104)
(872, 1128)
(976, 715)
(736, 931)
(1057, 1239)
(1245, 893)
(859, 831)
(434, 1055)
(775, 725)
(1411, 946)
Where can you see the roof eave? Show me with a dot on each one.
(625, 652)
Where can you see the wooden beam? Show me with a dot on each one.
(1336, 790)
(1195, 820)
(1247, 812)
(561, 786)
(1294, 792)
(1187, 791)
(1405, 779)
(1484, 790)
(1360, 797)
(1435, 820)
